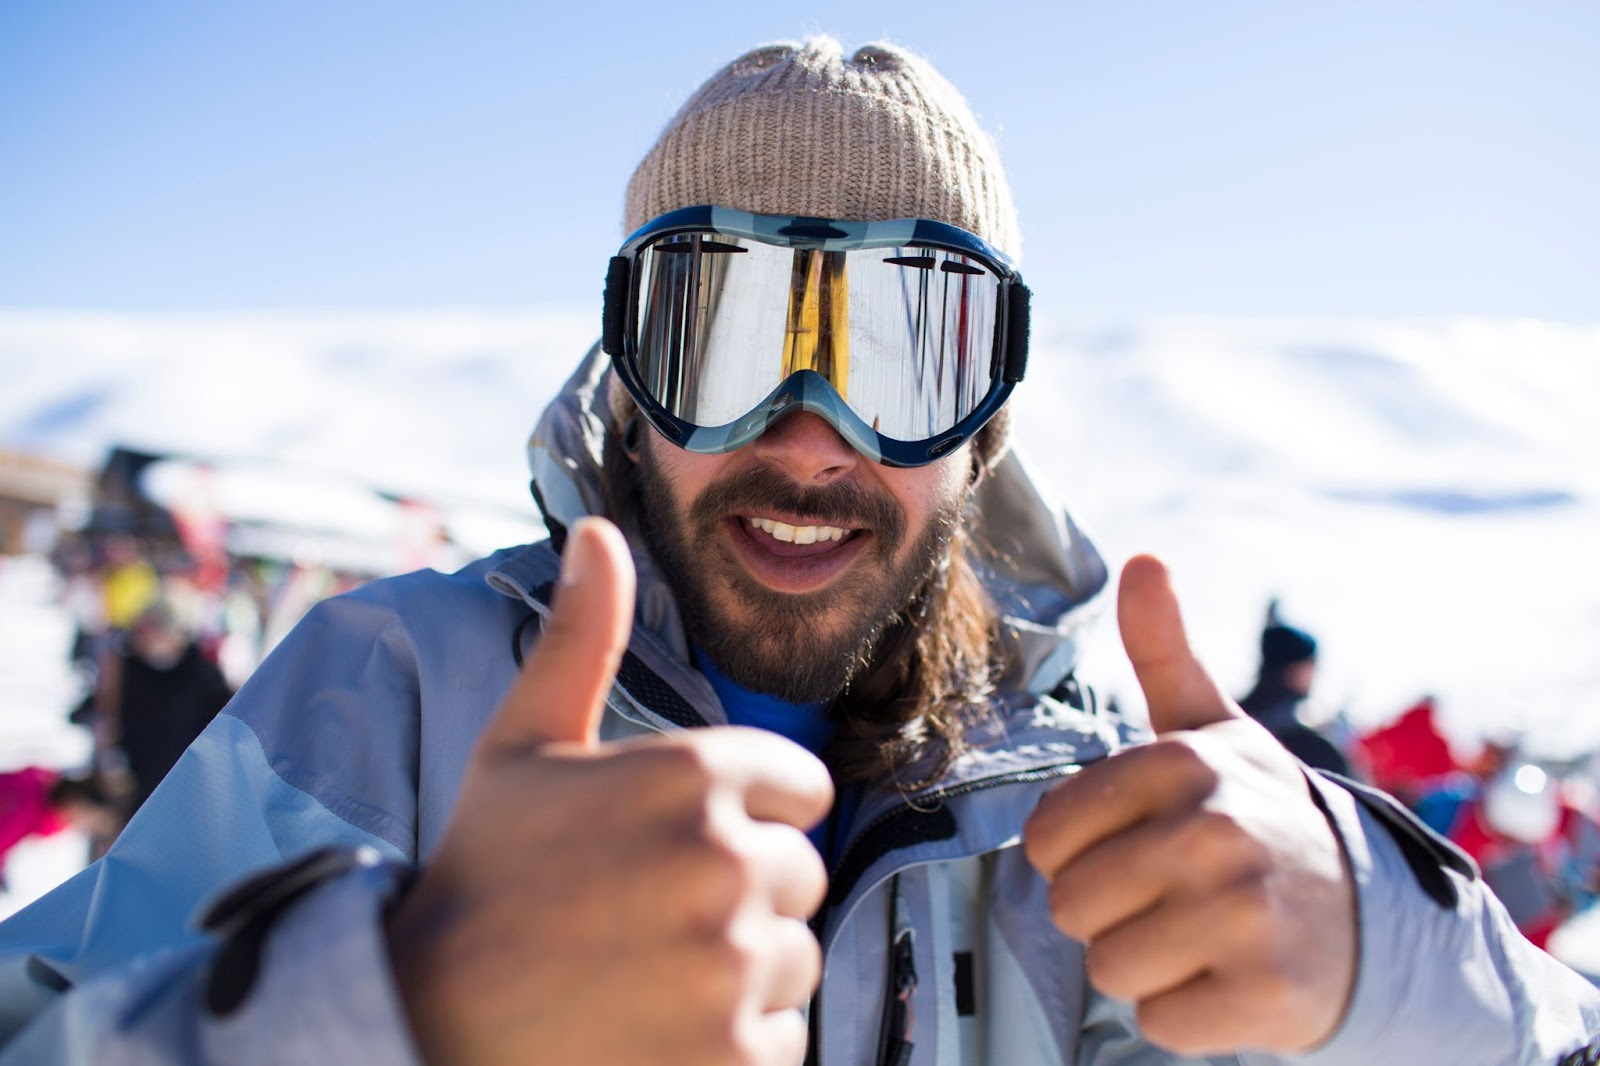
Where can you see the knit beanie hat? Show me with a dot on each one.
(1284, 644)
(798, 129)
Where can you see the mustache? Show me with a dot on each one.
(841, 503)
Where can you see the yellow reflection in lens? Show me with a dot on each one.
(817, 336)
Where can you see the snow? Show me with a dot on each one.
(1422, 495)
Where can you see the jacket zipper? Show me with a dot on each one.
(894, 1035)
(908, 973)
(1044, 773)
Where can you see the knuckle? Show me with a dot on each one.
(1106, 972)
(742, 1043)
(684, 767)
(719, 879)
(1209, 839)
(779, 1037)
(1069, 916)
(1188, 757)
(1164, 1027)
(812, 876)
(1278, 997)
(799, 953)
(751, 1038)
(735, 955)
(721, 969)
(724, 1044)
(1256, 902)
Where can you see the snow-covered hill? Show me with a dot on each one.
(1423, 496)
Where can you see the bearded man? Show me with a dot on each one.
(774, 752)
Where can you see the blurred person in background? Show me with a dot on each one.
(155, 698)
(1535, 836)
(128, 581)
(25, 807)
(764, 756)
(37, 802)
(1281, 697)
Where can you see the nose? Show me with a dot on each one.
(808, 448)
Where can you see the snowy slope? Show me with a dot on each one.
(1421, 495)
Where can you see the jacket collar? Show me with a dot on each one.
(975, 807)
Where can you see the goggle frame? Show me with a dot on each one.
(807, 390)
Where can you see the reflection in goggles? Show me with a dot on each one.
(818, 333)
(906, 336)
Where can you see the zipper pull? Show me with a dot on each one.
(894, 1039)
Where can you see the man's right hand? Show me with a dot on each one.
(634, 902)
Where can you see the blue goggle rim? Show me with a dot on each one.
(808, 390)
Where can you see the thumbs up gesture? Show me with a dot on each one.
(1207, 886)
(636, 902)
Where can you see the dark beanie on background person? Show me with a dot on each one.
(1282, 645)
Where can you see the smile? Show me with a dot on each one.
(795, 556)
(792, 534)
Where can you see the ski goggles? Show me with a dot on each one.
(906, 336)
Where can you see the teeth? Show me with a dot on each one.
(798, 534)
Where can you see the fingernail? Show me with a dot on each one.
(572, 555)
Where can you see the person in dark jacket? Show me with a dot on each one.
(160, 692)
(1283, 690)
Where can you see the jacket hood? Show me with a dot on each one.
(1043, 571)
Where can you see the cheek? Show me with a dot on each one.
(683, 474)
(928, 490)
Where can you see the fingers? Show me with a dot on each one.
(1125, 875)
(1210, 1015)
(1174, 943)
(790, 971)
(560, 693)
(1177, 688)
(796, 964)
(1110, 797)
(778, 1038)
(794, 872)
(779, 780)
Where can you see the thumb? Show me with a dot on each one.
(1179, 692)
(561, 691)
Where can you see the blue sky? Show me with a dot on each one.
(1409, 159)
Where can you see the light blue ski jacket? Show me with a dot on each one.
(357, 729)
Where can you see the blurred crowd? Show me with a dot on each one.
(1532, 826)
(161, 639)
(164, 635)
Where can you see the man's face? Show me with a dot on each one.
(790, 556)
(159, 644)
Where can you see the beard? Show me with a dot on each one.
(799, 647)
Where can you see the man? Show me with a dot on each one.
(156, 696)
(1282, 691)
(796, 439)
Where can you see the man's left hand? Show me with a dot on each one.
(1208, 886)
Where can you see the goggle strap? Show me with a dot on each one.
(614, 317)
(1018, 300)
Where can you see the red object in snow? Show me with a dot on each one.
(1409, 755)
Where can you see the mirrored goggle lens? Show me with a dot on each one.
(905, 335)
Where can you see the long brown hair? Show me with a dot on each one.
(906, 716)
